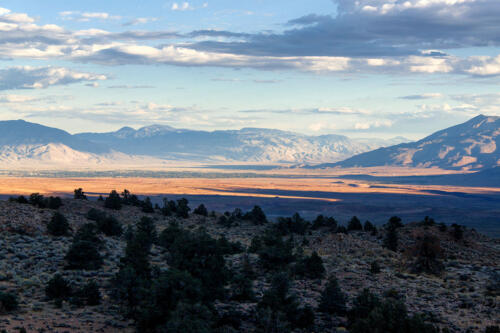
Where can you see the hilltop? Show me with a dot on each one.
(458, 290)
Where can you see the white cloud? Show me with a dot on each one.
(87, 16)
(20, 38)
(42, 77)
(140, 20)
(181, 6)
(373, 124)
(423, 96)
(16, 99)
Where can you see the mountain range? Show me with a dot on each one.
(22, 142)
(472, 145)
(468, 146)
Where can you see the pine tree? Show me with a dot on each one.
(333, 300)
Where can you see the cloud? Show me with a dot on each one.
(367, 125)
(17, 99)
(360, 40)
(422, 96)
(377, 28)
(184, 6)
(87, 16)
(339, 111)
(181, 6)
(131, 87)
(42, 77)
(140, 20)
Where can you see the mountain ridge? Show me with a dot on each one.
(472, 145)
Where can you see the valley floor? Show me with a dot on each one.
(316, 193)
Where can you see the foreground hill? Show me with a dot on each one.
(164, 272)
(472, 145)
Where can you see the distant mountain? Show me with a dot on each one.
(22, 143)
(15, 133)
(473, 145)
(247, 144)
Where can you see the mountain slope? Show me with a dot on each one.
(19, 132)
(472, 145)
(247, 144)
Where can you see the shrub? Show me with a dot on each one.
(310, 267)
(83, 255)
(374, 267)
(170, 234)
(242, 288)
(390, 316)
(54, 202)
(58, 288)
(95, 214)
(354, 224)
(428, 222)
(130, 199)
(79, 194)
(369, 227)
(146, 231)
(200, 255)
(168, 208)
(363, 304)
(391, 239)
(324, 222)
(20, 199)
(87, 232)
(83, 252)
(110, 226)
(304, 318)
(182, 209)
(457, 231)
(89, 294)
(113, 201)
(8, 302)
(189, 318)
(36, 199)
(341, 229)
(147, 206)
(201, 210)
(295, 224)
(256, 216)
(333, 300)
(281, 304)
(394, 223)
(274, 253)
(58, 225)
(425, 256)
(225, 221)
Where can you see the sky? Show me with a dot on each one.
(361, 68)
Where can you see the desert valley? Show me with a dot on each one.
(202, 166)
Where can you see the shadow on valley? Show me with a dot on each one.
(479, 211)
(486, 178)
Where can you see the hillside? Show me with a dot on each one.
(458, 292)
(472, 145)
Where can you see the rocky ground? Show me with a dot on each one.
(461, 298)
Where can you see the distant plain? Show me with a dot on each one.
(372, 194)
